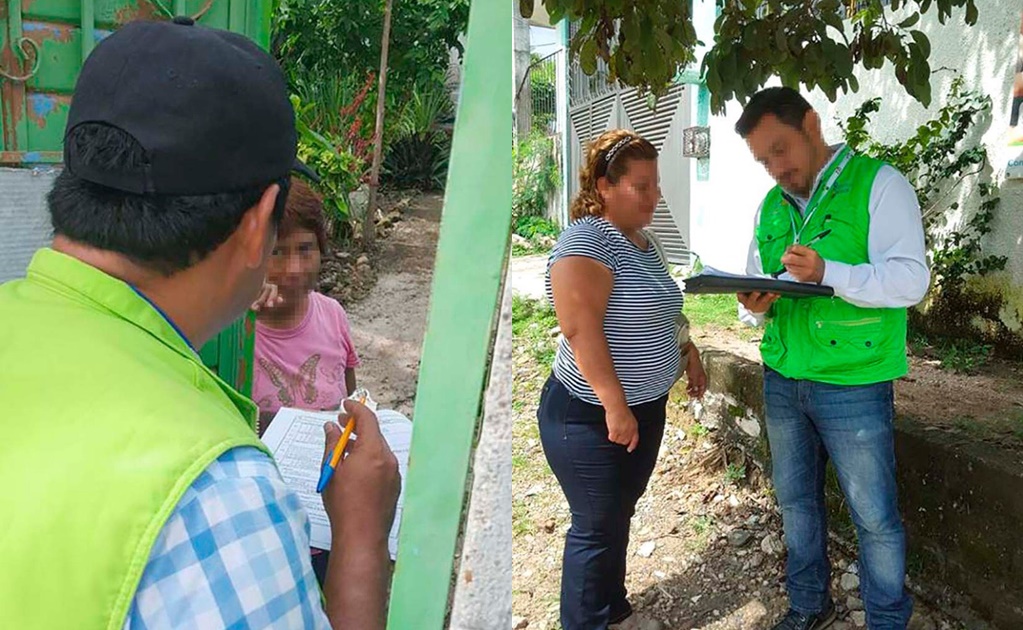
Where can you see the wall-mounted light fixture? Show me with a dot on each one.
(696, 142)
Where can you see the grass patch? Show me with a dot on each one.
(711, 310)
(717, 312)
(531, 250)
(701, 529)
(520, 519)
(532, 324)
(1016, 424)
(961, 356)
(735, 474)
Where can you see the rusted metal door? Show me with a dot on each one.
(43, 43)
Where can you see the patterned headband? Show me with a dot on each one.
(613, 151)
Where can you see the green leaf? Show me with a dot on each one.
(910, 21)
(971, 13)
(834, 20)
(588, 56)
(921, 40)
(780, 40)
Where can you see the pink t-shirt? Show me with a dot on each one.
(304, 366)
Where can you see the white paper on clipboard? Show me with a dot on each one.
(295, 437)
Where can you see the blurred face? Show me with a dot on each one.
(295, 264)
(631, 201)
(790, 155)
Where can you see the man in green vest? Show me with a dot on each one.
(134, 492)
(852, 223)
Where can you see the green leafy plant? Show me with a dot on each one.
(938, 159)
(532, 323)
(416, 162)
(530, 227)
(647, 43)
(338, 156)
(535, 175)
(339, 107)
(735, 474)
(539, 233)
(316, 38)
(543, 92)
(964, 357)
(420, 143)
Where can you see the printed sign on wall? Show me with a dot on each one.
(1014, 168)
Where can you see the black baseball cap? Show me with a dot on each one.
(209, 107)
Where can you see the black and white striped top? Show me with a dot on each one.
(640, 321)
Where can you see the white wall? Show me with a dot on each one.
(723, 207)
(24, 220)
(543, 40)
(985, 54)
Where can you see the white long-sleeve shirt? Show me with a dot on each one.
(897, 275)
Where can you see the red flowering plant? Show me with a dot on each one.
(334, 118)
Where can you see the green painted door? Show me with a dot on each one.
(42, 45)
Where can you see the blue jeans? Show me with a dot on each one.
(602, 482)
(808, 423)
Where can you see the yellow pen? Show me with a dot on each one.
(331, 464)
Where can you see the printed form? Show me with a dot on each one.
(295, 437)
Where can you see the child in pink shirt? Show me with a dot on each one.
(311, 365)
(304, 355)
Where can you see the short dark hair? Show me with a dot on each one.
(786, 104)
(164, 233)
(304, 211)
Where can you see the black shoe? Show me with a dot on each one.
(819, 621)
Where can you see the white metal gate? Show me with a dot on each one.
(595, 105)
(662, 126)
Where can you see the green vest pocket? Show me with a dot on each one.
(846, 337)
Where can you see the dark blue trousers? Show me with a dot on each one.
(602, 482)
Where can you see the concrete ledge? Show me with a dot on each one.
(962, 501)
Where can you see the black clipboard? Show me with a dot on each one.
(705, 283)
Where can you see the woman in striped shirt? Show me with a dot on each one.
(602, 411)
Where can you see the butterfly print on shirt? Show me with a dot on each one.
(291, 387)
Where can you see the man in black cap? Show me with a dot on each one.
(127, 465)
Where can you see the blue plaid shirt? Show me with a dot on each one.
(233, 554)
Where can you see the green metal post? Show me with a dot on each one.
(88, 27)
(179, 7)
(236, 18)
(471, 259)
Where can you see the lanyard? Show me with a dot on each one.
(818, 195)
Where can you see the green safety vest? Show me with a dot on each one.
(108, 417)
(828, 339)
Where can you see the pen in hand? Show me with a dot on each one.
(331, 464)
(813, 240)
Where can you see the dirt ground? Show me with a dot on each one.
(388, 298)
(986, 405)
(706, 549)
